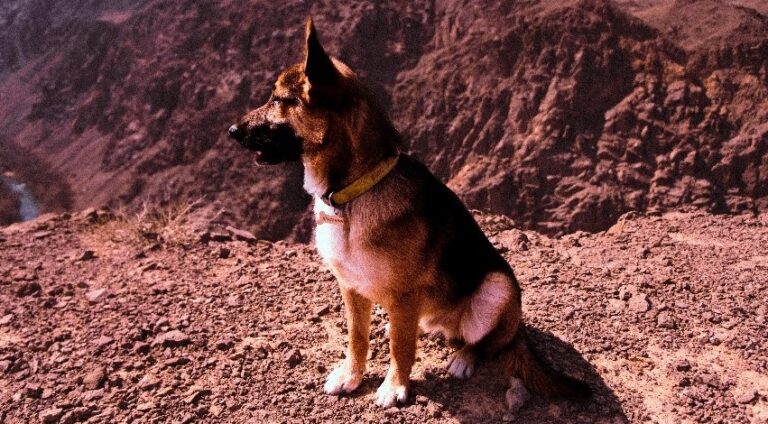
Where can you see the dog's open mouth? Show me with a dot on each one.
(279, 144)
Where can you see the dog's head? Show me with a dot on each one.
(300, 112)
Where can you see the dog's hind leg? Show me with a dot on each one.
(348, 376)
(462, 363)
(489, 321)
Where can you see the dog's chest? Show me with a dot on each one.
(353, 267)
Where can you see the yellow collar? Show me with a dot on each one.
(362, 184)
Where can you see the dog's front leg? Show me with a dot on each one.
(403, 332)
(347, 376)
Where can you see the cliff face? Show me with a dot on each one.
(562, 115)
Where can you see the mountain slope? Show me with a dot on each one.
(561, 115)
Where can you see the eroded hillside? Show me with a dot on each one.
(561, 115)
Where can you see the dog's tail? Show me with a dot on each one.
(522, 361)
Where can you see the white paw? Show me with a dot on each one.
(389, 394)
(461, 364)
(341, 380)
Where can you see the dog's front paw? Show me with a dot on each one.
(390, 393)
(342, 380)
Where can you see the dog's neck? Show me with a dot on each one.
(319, 181)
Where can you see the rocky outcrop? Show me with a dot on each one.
(561, 115)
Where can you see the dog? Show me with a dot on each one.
(392, 233)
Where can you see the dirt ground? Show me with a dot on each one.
(664, 316)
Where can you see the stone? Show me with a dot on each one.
(96, 295)
(6, 319)
(51, 415)
(146, 406)
(175, 362)
(149, 382)
(173, 338)
(745, 396)
(242, 235)
(33, 391)
(517, 395)
(87, 255)
(95, 378)
(194, 395)
(224, 252)
(28, 289)
(103, 341)
(639, 303)
(682, 365)
(225, 343)
(293, 357)
(665, 320)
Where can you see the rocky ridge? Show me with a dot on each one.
(561, 115)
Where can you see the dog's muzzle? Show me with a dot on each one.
(271, 144)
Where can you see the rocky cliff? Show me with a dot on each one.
(561, 115)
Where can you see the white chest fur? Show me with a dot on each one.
(353, 267)
(329, 236)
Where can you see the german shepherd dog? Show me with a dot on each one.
(392, 233)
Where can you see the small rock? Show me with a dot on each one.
(516, 395)
(33, 391)
(51, 415)
(28, 289)
(215, 410)
(220, 236)
(149, 382)
(682, 365)
(242, 235)
(6, 319)
(225, 343)
(175, 362)
(87, 255)
(174, 338)
(41, 234)
(224, 252)
(76, 415)
(323, 310)
(665, 320)
(103, 341)
(434, 410)
(195, 394)
(639, 303)
(146, 406)
(96, 295)
(745, 396)
(626, 291)
(422, 400)
(616, 305)
(293, 358)
(141, 347)
(95, 378)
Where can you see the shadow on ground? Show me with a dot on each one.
(481, 398)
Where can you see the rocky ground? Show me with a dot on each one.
(110, 320)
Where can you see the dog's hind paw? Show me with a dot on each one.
(462, 363)
(342, 380)
(390, 393)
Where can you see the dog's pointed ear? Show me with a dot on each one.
(318, 66)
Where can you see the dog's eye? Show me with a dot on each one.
(277, 101)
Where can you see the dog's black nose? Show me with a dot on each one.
(235, 132)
